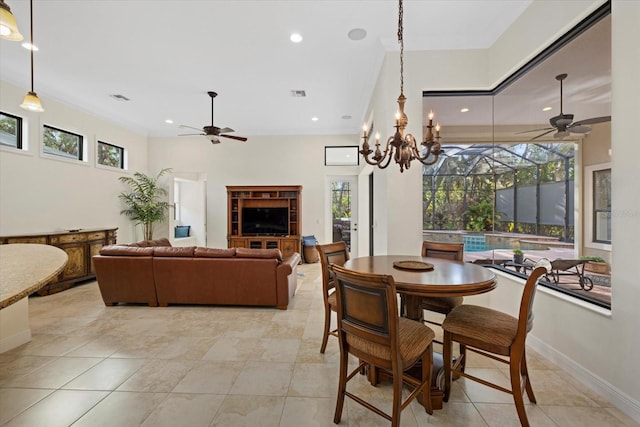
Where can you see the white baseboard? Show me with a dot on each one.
(15, 340)
(614, 395)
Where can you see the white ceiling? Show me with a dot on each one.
(166, 55)
(586, 90)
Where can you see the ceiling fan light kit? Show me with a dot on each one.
(213, 132)
(563, 124)
(400, 147)
(8, 25)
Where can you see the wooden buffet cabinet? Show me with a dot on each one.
(240, 197)
(80, 246)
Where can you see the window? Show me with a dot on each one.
(602, 206)
(110, 155)
(62, 143)
(10, 131)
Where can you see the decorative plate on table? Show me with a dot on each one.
(413, 265)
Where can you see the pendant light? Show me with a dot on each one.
(8, 25)
(31, 101)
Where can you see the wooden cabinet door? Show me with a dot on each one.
(77, 265)
(94, 249)
(288, 247)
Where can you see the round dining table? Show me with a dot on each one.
(24, 269)
(426, 277)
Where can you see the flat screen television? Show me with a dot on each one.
(265, 221)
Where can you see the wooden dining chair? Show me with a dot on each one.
(493, 334)
(336, 253)
(451, 251)
(370, 329)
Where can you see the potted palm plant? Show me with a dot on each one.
(144, 202)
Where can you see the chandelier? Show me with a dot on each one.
(403, 147)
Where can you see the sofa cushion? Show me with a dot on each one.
(258, 253)
(215, 253)
(168, 251)
(115, 250)
(147, 243)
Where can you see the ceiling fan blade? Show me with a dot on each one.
(542, 134)
(593, 120)
(534, 130)
(579, 129)
(238, 138)
(215, 140)
(190, 127)
(189, 134)
(226, 130)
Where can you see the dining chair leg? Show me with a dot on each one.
(514, 370)
(446, 362)
(525, 372)
(463, 357)
(397, 398)
(342, 386)
(327, 326)
(427, 373)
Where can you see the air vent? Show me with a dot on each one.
(119, 97)
(298, 93)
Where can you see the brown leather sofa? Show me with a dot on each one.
(163, 275)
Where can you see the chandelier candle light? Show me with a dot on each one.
(403, 148)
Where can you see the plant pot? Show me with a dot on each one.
(518, 259)
(597, 267)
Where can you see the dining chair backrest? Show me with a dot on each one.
(525, 315)
(452, 251)
(368, 316)
(331, 253)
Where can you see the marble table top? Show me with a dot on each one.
(25, 268)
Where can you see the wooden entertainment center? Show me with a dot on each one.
(244, 198)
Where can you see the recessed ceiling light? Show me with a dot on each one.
(296, 38)
(547, 108)
(346, 117)
(464, 110)
(168, 121)
(30, 46)
(357, 34)
(315, 119)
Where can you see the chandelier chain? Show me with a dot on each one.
(401, 41)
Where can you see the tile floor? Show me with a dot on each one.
(91, 365)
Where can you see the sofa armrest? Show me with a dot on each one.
(287, 279)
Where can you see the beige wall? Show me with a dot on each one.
(263, 160)
(39, 194)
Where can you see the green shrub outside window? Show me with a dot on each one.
(110, 155)
(62, 143)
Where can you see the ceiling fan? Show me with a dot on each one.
(213, 131)
(563, 124)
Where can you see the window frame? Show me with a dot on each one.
(81, 145)
(589, 208)
(122, 155)
(19, 133)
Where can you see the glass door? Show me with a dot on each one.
(343, 196)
